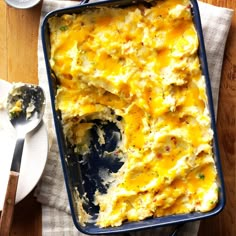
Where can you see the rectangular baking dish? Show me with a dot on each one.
(74, 173)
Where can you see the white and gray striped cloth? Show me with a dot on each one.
(56, 218)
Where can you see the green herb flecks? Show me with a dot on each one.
(63, 28)
(201, 176)
(13, 115)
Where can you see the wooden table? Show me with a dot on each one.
(18, 62)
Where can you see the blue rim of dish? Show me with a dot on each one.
(150, 222)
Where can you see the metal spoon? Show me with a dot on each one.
(25, 107)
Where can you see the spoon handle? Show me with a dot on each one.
(10, 197)
(9, 204)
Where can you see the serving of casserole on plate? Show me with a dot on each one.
(133, 112)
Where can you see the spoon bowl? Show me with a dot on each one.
(25, 106)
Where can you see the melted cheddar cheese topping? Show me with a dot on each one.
(140, 64)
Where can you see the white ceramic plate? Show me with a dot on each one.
(34, 154)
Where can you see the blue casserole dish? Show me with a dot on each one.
(76, 175)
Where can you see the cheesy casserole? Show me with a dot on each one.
(138, 67)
